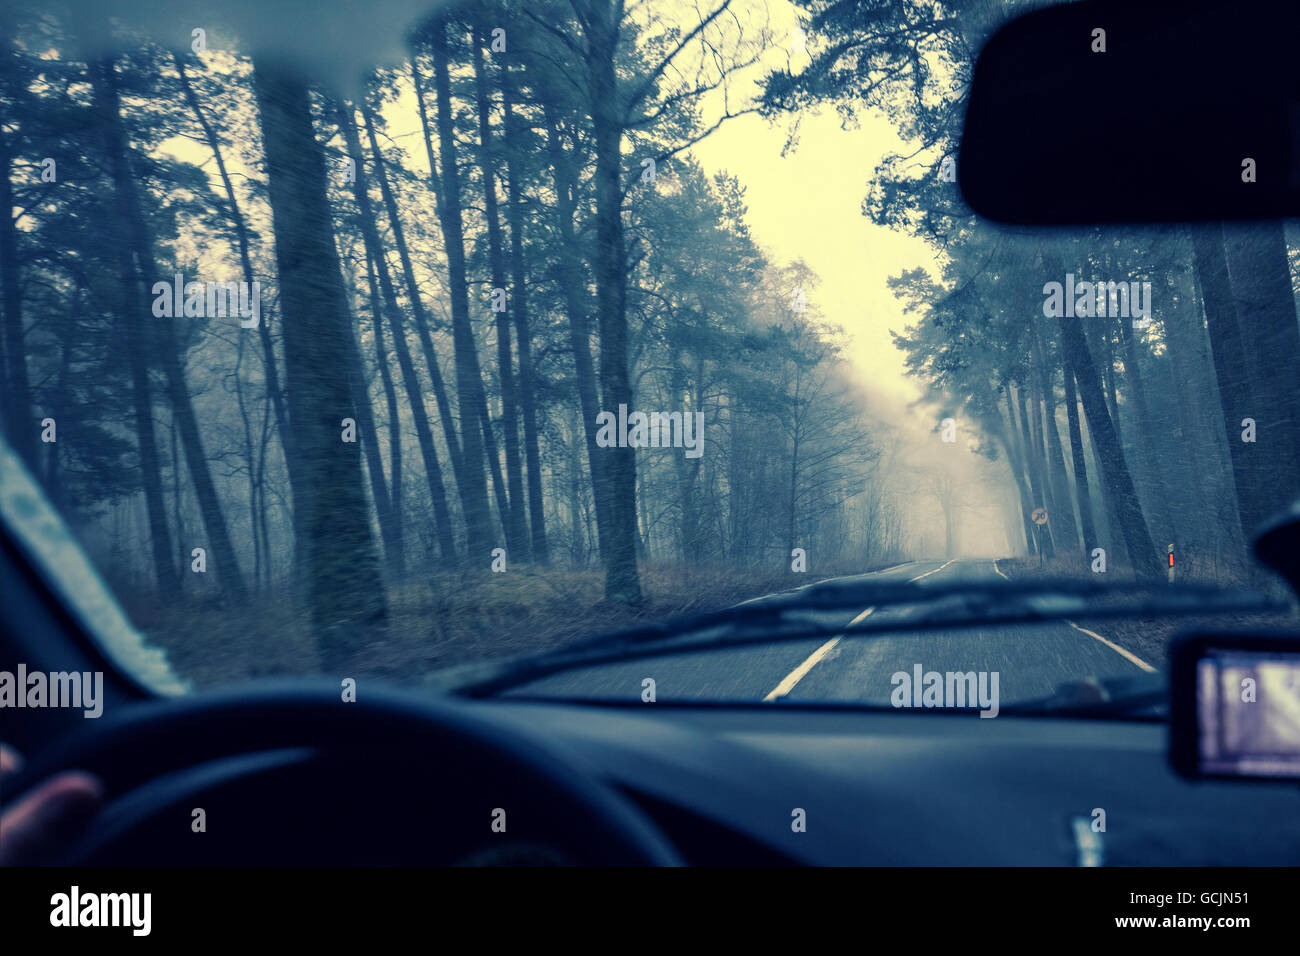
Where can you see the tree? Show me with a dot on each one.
(377, 266)
(1133, 526)
(347, 599)
(510, 503)
(599, 33)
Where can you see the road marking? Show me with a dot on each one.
(800, 672)
(1127, 655)
(804, 587)
(928, 573)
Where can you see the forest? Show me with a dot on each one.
(458, 264)
(301, 352)
(1177, 428)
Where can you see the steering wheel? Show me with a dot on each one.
(289, 773)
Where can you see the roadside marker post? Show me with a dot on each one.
(1171, 564)
(1039, 517)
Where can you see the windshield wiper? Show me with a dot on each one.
(783, 618)
(855, 595)
(1130, 694)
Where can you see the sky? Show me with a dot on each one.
(807, 205)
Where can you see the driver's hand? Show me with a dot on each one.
(47, 820)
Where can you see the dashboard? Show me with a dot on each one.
(725, 785)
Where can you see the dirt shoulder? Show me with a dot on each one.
(445, 619)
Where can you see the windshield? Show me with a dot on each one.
(382, 342)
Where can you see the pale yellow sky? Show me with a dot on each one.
(807, 205)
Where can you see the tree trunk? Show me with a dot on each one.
(622, 582)
(1236, 391)
(1015, 460)
(141, 245)
(573, 288)
(398, 558)
(250, 455)
(178, 506)
(1209, 475)
(1158, 487)
(1064, 528)
(1080, 467)
(134, 309)
(413, 296)
(1108, 380)
(348, 603)
(527, 387)
(687, 473)
(510, 504)
(365, 419)
(410, 378)
(1261, 286)
(269, 365)
(469, 378)
(1133, 525)
(20, 425)
(1034, 462)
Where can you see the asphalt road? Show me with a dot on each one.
(1031, 660)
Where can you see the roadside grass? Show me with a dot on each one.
(441, 619)
(1149, 637)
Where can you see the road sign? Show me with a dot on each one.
(1039, 516)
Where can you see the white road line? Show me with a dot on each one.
(803, 587)
(1127, 655)
(928, 573)
(800, 672)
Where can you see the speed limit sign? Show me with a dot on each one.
(1039, 516)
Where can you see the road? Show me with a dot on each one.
(1031, 660)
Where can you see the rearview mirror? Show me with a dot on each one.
(1235, 706)
(1103, 111)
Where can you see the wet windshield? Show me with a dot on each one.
(381, 342)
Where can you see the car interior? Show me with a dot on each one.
(332, 769)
